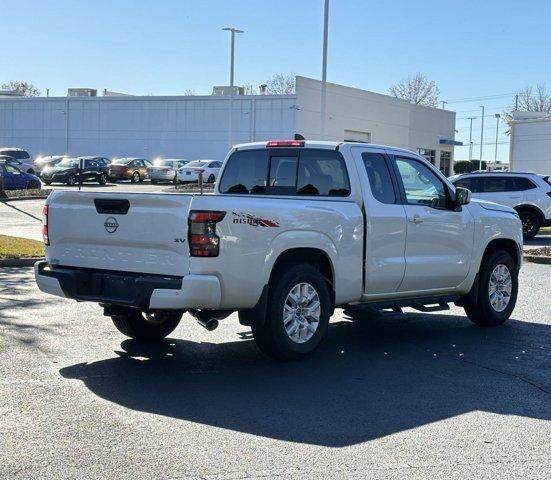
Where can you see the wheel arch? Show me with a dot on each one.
(314, 256)
(506, 244)
(531, 208)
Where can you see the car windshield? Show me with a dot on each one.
(68, 162)
(121, 161)
(197, 163)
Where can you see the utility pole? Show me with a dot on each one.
(324, 68)
(471, 138)
(232, 54)
(481, 138)
(516, 102)
(498, 116)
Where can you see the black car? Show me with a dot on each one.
(95, 169)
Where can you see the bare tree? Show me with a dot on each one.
(418, 89)
(281, 84)
(25, 88)
(529, 99)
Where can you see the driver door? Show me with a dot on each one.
(440, 237)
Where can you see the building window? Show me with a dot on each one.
(445, 163)
(430, 155)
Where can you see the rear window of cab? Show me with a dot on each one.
(298, 172)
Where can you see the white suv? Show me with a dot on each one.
(528, 193)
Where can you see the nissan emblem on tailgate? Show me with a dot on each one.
(111, 224)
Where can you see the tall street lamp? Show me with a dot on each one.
(481, 138)
(471, 138)
(324, 68)
(232, 55)
(498, 116)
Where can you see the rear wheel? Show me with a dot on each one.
(210, 179)
(135, 177)
(102, 180)
(497, 290)
(297, 314)
(530, 224)
(72, 179)
(147, 327)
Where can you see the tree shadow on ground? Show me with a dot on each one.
(369, 379)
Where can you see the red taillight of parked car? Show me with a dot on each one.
(199, 170)
(202, 238)
(45, 235)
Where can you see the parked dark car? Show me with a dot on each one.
(40, 163)
(15, 179)
(67, 171)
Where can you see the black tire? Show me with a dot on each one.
(146, 327)
(47, 182)
(211, 178)
(270, 335)
(480, 309)
(136, 177)
(102, 180)
(153, 182)
(31, 171)
(72, 179)
(531, 224)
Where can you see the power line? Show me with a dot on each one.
(486, 97)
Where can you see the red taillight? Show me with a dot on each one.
(285, 143)
(199, 170)
(203, 241)
(45, 235)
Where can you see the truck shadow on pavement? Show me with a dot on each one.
(369, 379)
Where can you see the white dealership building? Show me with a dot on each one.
(530, 142)
(198, 126)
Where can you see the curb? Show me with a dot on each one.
(19, 262)
(538, 259)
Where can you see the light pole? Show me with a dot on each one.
(324, 68)
(498, 116)
(481, 138)
(471, 138)
(232, 54)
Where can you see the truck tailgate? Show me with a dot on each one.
(131, 232)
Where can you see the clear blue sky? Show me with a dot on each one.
(470, 48)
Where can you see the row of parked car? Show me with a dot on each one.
(71, 170)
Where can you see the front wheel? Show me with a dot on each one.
(297, 315)
(530, 224)
(497, 290)
(135, 177)
(148, 327)
(211, 178)
(72, 180)
(102, 180)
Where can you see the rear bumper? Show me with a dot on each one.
(129, 289)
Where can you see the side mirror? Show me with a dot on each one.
(462, 196)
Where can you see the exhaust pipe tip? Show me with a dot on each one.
(210, 324)
(205, 320)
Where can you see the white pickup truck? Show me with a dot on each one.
(293, 230)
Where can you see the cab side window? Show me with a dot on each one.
(379, 177)
(421, 185)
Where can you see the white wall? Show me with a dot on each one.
(390, 121)
(530, 147)
(188, 127)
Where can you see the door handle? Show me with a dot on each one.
(416, 219)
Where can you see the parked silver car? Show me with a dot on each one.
(165, 170)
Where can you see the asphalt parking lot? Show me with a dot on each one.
(404, 397)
